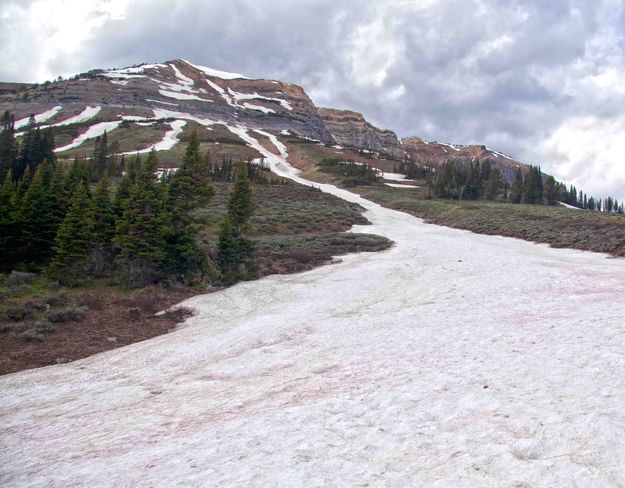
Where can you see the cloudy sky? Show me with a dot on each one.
(541, 80)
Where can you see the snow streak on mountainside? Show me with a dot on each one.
(453, 359)
(209, 94)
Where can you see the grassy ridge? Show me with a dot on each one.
(554, 225)
(557, 226)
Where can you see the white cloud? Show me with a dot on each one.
(47, 29)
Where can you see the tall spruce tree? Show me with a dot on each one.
(74, 240)
(189, 188)
(104, 230)
(236, 252)
(516, 190)
(143, 227)
(35, 211)
(8, 224)
(8, 145)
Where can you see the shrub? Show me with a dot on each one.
(17, 314)
(179, 314)
(32, 335)
(68, 314)
(44, 326)
(18, 278)
(134, 313)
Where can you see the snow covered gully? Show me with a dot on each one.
(453, 359)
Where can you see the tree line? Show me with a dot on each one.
(475, 181)
(75, 226)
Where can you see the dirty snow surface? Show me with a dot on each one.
(452, 359)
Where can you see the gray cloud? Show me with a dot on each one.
(526, 77)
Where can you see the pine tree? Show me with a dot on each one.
(125, 186)
(493, 184)
(74, 240)
(241, 203)
(36, 211)
(104, 231)
(516, 191)
(143, 227)
(189, 188)
(8, 224)
(78, 174)
(551, 190)
(99, 157)
(235, 251)
(8, 145)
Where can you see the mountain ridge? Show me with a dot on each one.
(180, 90)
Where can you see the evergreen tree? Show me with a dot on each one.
(125, 186)
(516, 190)
(143, 227)
(235, 251)
(78, 175)
(8, 224)
(493, 184)
(99, 157)
(74, 240)
(8, 145)
(104, 230)
(241, 203)
(36, 219)
(551, 190)
(189, 189)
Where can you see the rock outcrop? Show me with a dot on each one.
(436, 153)
(352, 129)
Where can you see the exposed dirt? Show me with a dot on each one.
(113, 319)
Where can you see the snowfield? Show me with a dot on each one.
(452, 359)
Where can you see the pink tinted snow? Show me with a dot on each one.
(452, 359)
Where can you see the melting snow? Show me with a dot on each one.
(93, 132)
(569, 206)
(216, 73)
(170, 139)
(399, 185)
(452, 359)
(182, 96)
(42, 117)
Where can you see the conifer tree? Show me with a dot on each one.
(551, 190)
(241, 203)
(104, 217)
(143, 227)
(125, 186)
(235, 250)
(493, 184)
(74, 240)
(36, 208)
(516, 190)
(8, 145)
(189, 188)
(8, 224)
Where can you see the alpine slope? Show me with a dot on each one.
(450, 360)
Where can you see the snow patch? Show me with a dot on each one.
(224, 75)
(93, 132)
(169, 140)
(182, 96)
(399, 185)
(42, 117)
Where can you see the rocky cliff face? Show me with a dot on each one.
(352, 129)
(175, 89)
(436, 153)
(176, 94)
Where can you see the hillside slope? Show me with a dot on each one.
(157, 105)
(397, 367)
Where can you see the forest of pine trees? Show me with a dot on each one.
(477, 181)
(74, 226)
